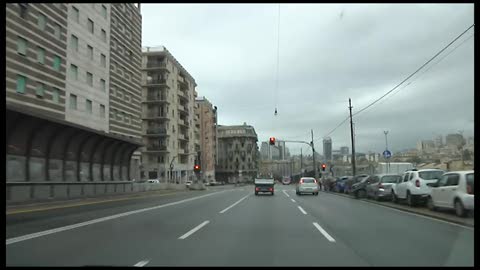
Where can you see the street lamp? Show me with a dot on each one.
(386, 148)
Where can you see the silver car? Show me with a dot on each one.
(307, 185)
(380, 186)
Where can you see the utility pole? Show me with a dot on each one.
(386, 148)
(351, 133)
(314, 164)
(301, 161)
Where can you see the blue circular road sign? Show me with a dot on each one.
(387, 153)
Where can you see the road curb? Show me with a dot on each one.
(408, 210)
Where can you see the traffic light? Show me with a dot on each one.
(323, 167)
(272, 140)
(196, 168)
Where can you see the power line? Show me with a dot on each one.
(416, 70)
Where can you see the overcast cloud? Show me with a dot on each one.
(328, 53)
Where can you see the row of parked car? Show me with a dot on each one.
(431, 187)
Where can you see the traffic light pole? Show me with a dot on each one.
(313, 150)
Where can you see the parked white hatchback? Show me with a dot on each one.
(413, 185)
(454, 190)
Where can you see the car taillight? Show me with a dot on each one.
(380, 185)
(301, 182)
(469, 190)
(417, 183)
(257, 189)
(270, 189)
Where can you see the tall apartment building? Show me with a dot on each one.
(168, 99)
(237, 153)
(207, 123)
(57, 76)
(125, 70)
(327, 148)
(454, 140)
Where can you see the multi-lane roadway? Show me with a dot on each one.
(230, 226)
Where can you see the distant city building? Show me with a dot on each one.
(274, 152)
(207, 136)
(454, 140)
(439, 141)
(237, 153)
(344, 150)
(425, 146)
(327, 148)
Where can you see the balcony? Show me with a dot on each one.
(183, 123)
(154, 116)
(182, 108)
(155, 65)
(155, 82)
(183, 137)
(155, 99)
(156, 132)
(182, 94)
(157, 148)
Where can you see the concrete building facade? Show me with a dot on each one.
(237, 153)
(52, 151)
(168, 112)
(207, 125)
(88, 56)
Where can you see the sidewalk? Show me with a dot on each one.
(445, 215)
(52, 204)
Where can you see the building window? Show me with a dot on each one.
(22, 46)
(103, 60)
(90, 26)
(88, 106)
(130, 55)
(112, 90)
(21, 84)
(102, 111)
(40, 89)
(57, 62)
(104, 36)
(74, 72)
(41, 55)
(42, 22)
(57, 29)
(74, 43)
(103, 85)
(89, 79)
(119, 116)
(73, 102)
(56, 95)
(113, 43)
(120, 94)
(90, 52)
(127, 97)
(127, 119)
(104, 11)
(76, 14)
(23, 10)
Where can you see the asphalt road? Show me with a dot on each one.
(230, 226)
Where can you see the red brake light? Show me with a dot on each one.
(271, 189)
(469, 189)
(257, 189)
(301, 181)
(417, 183)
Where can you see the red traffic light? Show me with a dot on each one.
(196, 167)
(272, 140)
(323, 167)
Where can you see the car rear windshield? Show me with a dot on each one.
(430, 175)
(391, 178)
(470, 181)
(308, 180)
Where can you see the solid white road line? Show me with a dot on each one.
(286, 193)
(292, 200)
(69, 227)
(141, 263)
(194, 230)
(225, 210)
(418, 215)
(301, 209)
(323, 232)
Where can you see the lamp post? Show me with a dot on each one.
(386, 148)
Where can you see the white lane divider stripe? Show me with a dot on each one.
(286, 193)
(329, 238)
(141, 263)
(293, 200)
(194, 230)
(69, 227)
(301, 209)
(237, 202)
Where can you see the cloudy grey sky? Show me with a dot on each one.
(328, 53)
